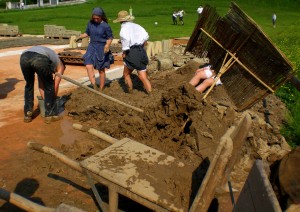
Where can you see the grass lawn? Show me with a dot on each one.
(286, 35)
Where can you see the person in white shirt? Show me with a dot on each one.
(180, 15)
(274, 17)
(133, 38)
(199, 10)
(174, 17)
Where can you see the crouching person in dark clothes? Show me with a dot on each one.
(44, 62)
(133, 38)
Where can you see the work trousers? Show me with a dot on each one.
(31, 63)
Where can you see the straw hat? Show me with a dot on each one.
(123, 16)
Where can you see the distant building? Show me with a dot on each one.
(40, 3)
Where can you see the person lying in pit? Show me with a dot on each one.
(207, 74)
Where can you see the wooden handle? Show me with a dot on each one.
(95, 132)
(99, 93)
(36, 146)
(22, 202)
(44, 149)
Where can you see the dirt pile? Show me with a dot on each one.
(176, 122)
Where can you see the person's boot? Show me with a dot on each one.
(49, 119)
(28, 117)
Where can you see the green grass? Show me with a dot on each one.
(291, 129)
(286, 35)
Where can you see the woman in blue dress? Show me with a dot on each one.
(97, 54)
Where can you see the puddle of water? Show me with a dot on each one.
(68, 132)
(65, 125)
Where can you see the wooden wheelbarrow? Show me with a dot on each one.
(122, 177)
(117, 167)
(28, 205)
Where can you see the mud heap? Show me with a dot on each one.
(177, 122)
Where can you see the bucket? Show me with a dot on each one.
(41, 105)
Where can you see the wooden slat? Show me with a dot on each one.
(222, 163)
(257, 194)
(237, 33)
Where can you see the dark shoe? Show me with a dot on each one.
(28, 117)
(50, 119)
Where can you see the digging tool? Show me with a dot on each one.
(99, 93)
(95, 132)
(73, 164)
(28, 205)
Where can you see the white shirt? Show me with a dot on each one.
(180, 13)
(132, 34)
(199, 10)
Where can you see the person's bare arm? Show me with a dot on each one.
(107, 45)
(80, 37)
(60, 69)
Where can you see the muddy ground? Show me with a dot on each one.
(175, 121)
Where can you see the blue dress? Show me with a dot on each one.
(99, 34)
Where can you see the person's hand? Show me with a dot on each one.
(106, 49)
(198, 70)
(78, 39)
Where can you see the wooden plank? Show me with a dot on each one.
(244, 197)
(129, 194)
(119, 163)
(238, 138)
(222, 163)
(257, 192)
(213, 175)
